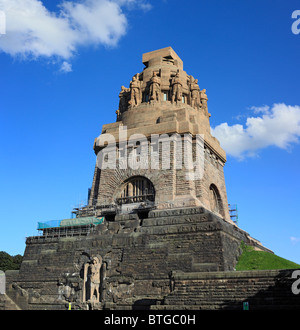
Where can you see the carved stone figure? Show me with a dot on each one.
(176, 88)
(195, 91)
(119, 115)
(67, 288)
(91, 287)
(203, 98)
(155, 87)
(124, 98)
(135, 97)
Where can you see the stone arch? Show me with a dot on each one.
(135, 189)
(112, 180)
(215, 200)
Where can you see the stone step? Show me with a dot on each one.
(205, 267)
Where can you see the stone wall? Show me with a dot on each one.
(138, 254)
(171, 185)
(263, 290)
(162, 100)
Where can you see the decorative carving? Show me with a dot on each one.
(176, 88)
(204, 99)
(92, 280)
(119, 115)
(135, 91)
(155, 87)
(68, 287)
(124, 99)
(195, 97)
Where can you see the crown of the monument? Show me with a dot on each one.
(163, 99)
(162, 56)
(162, 82)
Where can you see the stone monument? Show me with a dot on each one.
(157, 218)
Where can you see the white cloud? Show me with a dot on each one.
(66, 67)
(95, 21)
(33, 31)
(263, 109)
(277, 126)
(133, 4)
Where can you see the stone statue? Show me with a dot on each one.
(124, 98)
(135, 91)
(155, 87)
(119, 115)
(203, 98)
(176, 88)
(195, 97)
(91, 287)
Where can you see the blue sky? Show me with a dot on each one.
(62, 64)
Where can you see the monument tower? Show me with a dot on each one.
(165, 106)
(157, 207)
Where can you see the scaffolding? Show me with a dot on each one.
(69, 227)
(233, 212)
(139, 203)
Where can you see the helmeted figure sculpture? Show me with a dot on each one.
(135, 91)
(204, 98)
(124, 96)
(91, 279)
(195, 94)
(155, 87)
(176, 88)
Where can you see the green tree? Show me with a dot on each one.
(8, 262)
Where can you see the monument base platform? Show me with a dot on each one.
(140, 258)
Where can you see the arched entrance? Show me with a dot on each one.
(136, 189)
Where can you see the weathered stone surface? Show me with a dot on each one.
(265, 289)
(163, 100)
(167, 242)
(138, 259)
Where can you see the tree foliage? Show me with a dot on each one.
(8, 262)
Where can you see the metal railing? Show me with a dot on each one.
(136, 199)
